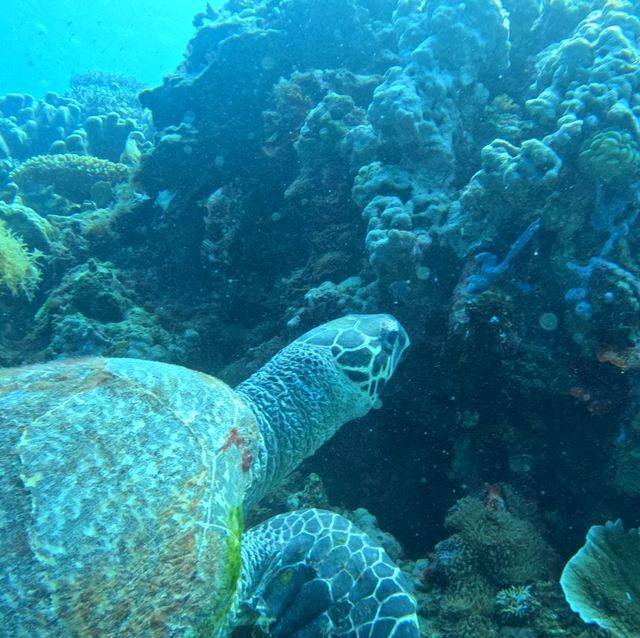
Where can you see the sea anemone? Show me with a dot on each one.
(516, 603)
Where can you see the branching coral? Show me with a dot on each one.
(71, 176)
(101, 92)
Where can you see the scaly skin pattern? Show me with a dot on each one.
(328, 376)
(123, 482)
(120, 479)
(314, 573)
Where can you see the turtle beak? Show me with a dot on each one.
(391, 343)
(394, 341)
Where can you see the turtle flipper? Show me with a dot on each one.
(312, 573)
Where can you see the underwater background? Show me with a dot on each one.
(471, 167)
(47, 42)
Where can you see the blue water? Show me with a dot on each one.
(48, 41)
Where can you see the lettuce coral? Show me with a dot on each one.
(19, 270)
(71, 176)
(601, 581)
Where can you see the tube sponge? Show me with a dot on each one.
(602, 581)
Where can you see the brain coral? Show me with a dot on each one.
(71, 176)
(611, 156)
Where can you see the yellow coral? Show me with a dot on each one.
(71, 176)
(19, 270)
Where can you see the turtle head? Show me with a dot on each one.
(307, 391)
(365, 348)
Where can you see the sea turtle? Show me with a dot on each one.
(124, 483)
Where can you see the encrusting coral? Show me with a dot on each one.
(611, 156)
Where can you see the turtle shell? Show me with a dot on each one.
(121, 499)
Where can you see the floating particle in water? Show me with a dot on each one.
(267, 63)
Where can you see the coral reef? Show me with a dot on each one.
(30, 127)
(490, 576)
(611, 156)
(69, 175)
(35, 231)
(101, 93)
(91, 312)
(509, 549)
(472, 167)
(79, 123)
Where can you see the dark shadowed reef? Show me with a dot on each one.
(472, 168)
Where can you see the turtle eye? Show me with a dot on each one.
(388, 340)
